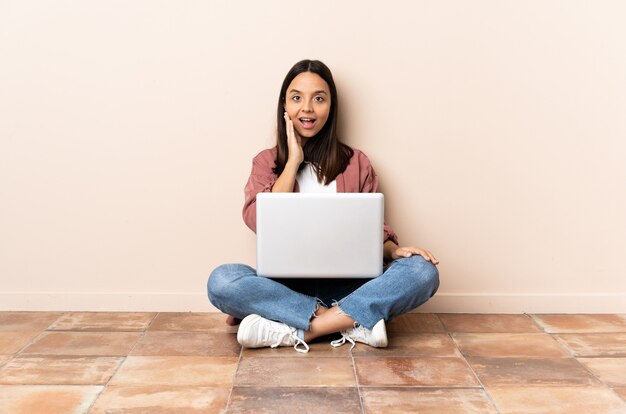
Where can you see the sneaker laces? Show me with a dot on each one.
(301, 342)
(339, 342)
(277, 338)
(359, 332)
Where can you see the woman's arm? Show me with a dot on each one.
(287, 179)
(391, 251)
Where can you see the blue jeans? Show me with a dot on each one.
(407, 283)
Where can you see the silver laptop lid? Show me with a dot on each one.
(320, 235)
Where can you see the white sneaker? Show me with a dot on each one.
(376, 337)
(258, 332)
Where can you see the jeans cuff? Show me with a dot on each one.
(362, 318)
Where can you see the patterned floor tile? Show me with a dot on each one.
(564, 323)
(187, 362)
(161, 400)
(48, 399)
(415, 323)
(295, 372)
(611, 371)
(84, 344)
(12, 342)
(529, 371)
(317, 350)
(264, 400)
(59, 371)
(176, 371)
(103, 321)
(488, 323)
(430, 372)
(191, 322)
(418, 345)
(162, 343)
(426, 401)
(27, 321)
(590, 345)
(4, 358)
(556, 400)
(621, 391)
(509, 345)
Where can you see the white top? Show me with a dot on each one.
(307, 181)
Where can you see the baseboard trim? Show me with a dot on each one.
(538, 303)
(106, 302)
(198, 302)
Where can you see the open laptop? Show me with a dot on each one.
(313, 235)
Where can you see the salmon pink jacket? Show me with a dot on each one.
(359, 177)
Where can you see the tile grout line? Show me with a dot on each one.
(482, 386)
(18, 353)
(232, 386)
(572, 353)
(535, 322)
(569, 351)
(356, 379)
(123, 359)
(38, 337)
(443, 325)
(563, 345)
(156, 314)
(593, 375)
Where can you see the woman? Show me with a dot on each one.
(309, 157)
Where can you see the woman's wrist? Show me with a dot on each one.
(292, 165)
(287, 179)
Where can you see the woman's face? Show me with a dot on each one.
(307, 103)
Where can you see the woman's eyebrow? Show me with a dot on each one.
(316, 92)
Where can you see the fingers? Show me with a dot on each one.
(433, 259)
(288, 125)
(428, 256)
(410, 251)
(291, 132)
(402, 252)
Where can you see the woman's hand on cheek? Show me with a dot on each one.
(413, 250)
(294, 142)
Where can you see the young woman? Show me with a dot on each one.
(308, 157)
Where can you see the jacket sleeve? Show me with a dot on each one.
(369, 184)
(261, 180)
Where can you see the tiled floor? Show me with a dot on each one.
(54, 362)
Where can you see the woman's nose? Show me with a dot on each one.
(307, 107)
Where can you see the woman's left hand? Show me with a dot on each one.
(413, 250)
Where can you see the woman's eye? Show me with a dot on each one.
(296, 98)
(319, 99)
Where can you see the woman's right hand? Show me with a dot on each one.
(287, 179)
(294, 143)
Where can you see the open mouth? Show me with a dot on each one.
(307, 123)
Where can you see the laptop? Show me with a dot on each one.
(312, 235)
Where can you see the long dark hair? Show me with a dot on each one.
(323, 150)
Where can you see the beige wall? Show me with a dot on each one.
(127, 129)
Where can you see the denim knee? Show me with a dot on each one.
(424, 274)
(219, 285)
